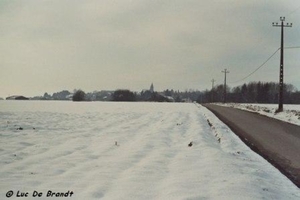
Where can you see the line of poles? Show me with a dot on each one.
(282, 25)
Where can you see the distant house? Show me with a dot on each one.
(17, 97)
(159, 97)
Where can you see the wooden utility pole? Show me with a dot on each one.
(225, 72)
(282, 25)
(212, 90)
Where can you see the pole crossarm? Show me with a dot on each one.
(282, 19)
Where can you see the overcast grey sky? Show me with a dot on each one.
(51, 45)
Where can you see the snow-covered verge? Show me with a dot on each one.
(291, 113)
(129, 151)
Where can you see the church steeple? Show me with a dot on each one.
(151, 88)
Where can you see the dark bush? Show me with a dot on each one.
(123, 95)
(79, 95)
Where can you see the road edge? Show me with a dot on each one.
(251, 144)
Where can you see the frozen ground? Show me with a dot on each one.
(67, 146)
(291, 113)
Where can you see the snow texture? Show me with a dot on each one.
(105, 150)
(290, 114)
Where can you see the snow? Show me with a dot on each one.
(129, 151)
(290, 114)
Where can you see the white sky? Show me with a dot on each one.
(48, 46)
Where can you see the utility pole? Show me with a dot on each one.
(225, 72)
(282, 25)
(212, 90)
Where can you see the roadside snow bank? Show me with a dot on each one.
(291, 113)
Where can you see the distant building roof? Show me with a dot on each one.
(17, 97)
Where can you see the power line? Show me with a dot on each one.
(297, 47)
(257, 68)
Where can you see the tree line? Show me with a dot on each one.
(146, 95)
(253, 92)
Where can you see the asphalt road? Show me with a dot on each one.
(277, 141)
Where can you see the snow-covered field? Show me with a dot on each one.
(108, 150)
(291, 113)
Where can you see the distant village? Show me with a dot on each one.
(118, 95)
(253, 92)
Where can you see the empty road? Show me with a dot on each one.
(277, 141)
